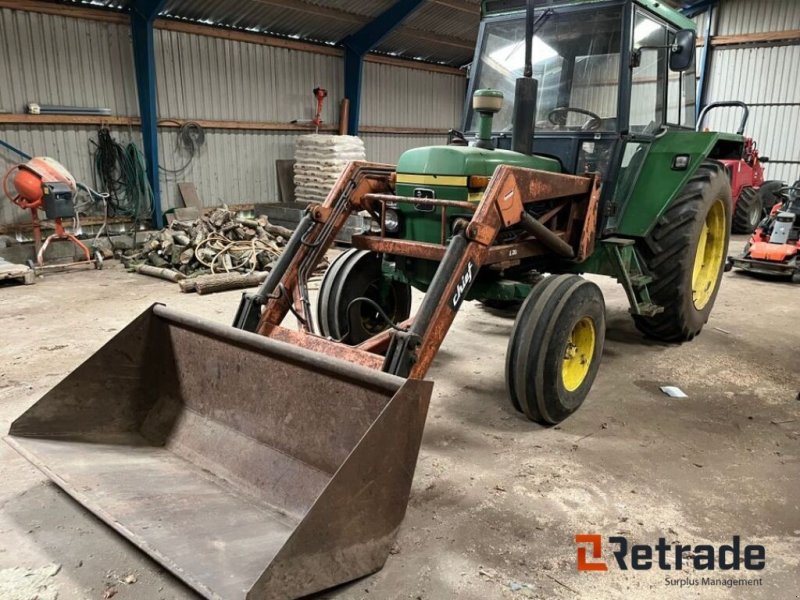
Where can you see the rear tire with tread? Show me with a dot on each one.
(669, 252)
(748, 211)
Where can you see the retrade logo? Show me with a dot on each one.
(668, 557)
(595, 544)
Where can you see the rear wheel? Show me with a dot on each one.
(748, 212)
(685, 253)
(555, 348)
(356, 298)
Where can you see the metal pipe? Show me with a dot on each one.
(286, 258)
(470, 206)
(546, 236)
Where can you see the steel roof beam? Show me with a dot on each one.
(695, 9)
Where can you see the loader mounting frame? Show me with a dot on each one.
(566, 232)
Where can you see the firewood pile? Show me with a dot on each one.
(215, 252)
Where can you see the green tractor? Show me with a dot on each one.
(579, 157)
(575, 87)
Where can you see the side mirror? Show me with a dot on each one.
(681, 56)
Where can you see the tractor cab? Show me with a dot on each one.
(611, 77)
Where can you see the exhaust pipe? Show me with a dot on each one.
(525, 95)
(524, 114)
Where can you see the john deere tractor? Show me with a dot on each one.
(603, 92)
(578, 156)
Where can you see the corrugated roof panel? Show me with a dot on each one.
(330, 21)
(401, 43)
(444, 20)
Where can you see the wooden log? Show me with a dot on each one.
(187, 285)
(263, 223)
(220, 282)
(159, 272)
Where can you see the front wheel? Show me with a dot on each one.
(555, 348)
(685, 253)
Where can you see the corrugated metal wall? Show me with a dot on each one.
(400, 97)
(767, 77)
(59, 60)
(387, 148)
(747, 16)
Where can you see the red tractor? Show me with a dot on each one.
(753, 198)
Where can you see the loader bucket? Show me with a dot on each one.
(247, 467)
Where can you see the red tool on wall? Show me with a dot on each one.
(44, 184)
(320, 94)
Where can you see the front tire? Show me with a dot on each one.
(685, 253)
(555, 348)
(748, 212)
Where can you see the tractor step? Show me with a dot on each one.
(629, 272)
(647, 309)
(615, 241)
(640, 281)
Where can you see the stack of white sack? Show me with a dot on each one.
(319, 160)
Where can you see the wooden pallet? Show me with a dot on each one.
(22, 273)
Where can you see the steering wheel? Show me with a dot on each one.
(558, 117)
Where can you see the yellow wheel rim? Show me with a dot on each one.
(709, 256)
(578, 355)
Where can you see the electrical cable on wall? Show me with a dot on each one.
(121, 170)
(190, 139)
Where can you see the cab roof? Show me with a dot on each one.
(669, 14)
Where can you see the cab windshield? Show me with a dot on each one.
(576, 59)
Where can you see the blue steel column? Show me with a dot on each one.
(692, 11)
(361, 42)
(143, 14)
(353, 75)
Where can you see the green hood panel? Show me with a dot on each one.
(467, 160)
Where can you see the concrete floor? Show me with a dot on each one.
(496, 500)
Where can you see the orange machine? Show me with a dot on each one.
(44, 184)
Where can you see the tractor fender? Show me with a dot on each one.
(654, 182)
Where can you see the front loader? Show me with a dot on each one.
(265, 461)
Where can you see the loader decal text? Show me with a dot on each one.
(463, 285)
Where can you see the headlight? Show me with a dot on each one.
(391, 222)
